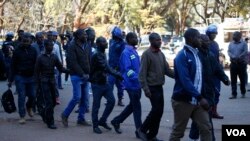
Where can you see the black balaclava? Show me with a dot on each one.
(48, 46)
(102, 44)
(26, 39)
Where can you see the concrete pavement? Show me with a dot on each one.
(235, 111)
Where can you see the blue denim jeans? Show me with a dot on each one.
(80, 93)
(25, 86)
(7, 63)
(57, 73)
(59, 79)
(134, 107)
(100, 91)
(114, 81)
(89, 90)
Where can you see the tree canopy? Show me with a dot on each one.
(136, 15)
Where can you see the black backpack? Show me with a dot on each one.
(8, 101)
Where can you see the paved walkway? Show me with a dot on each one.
(235, 111)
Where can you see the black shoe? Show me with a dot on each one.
(136, 134)
(83, 123)
(232, 97)
(116, 127)
(77, 111)
(52, 126)
(105, 125)
(120, 103)
(64, 120)
(142, 135)
(97, 130)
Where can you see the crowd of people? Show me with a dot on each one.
(35, 65)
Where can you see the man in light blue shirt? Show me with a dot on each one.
(238, 53)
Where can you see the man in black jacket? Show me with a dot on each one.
(8, 48)
(78, 55)
(100, 86)
(22, 71)
(44, 70)
(211, 69)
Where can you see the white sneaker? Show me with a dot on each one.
(22, 120)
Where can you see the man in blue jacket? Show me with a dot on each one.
(129, 67)
(187, 90)
(116, 46)
(212, 32)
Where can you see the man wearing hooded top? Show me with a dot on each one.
(116, 46)
(8, 48)
(18, 41)
(78, 55)
(210, 69)
(212, 32)
(152, 73)
(22, 71)
(44, 72)
(187, 90)
(130, 65)
(91, 44)
(56, 50)
(100, 86)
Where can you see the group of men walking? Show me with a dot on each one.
(197, 75)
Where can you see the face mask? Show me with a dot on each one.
(49, 50)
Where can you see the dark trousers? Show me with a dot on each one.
(217, 90)
(57, 73)
(151, 125)
(238, 69)
(134, 107)
(49, 99)
(100, 91)
(59, 80)
(114, 81)
(194, 130)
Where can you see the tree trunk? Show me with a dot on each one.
(20, 24)
(1, 17)
(79, 12)
(64, 23)
(77, 20)
(2, 13)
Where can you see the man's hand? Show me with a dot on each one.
(148, 94)
(227, 82)
(85, 77)
(204, 104)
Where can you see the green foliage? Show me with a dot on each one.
(174, 15)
